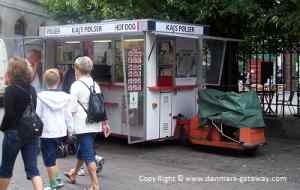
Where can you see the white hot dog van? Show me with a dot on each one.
(149, 71)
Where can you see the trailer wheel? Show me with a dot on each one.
(183, 139)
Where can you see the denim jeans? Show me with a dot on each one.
(86, 151)
(11, 147)
(49, 148)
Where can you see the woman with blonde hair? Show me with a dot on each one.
(84, 131)
(18, 95)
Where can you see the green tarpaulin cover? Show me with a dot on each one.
(230, 108)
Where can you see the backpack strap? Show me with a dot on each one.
(84, 84)
(86, 111)
(91, 88)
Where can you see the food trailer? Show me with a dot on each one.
(149, 71)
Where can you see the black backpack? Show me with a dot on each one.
(30, 124)
(96, 110)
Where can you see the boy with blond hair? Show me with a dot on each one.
(54, 108)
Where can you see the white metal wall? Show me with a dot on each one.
(152, 113)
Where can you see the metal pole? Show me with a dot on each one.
(271, 82)
(125, 88)
(283, 78)
(276, 77)
(250, 66)
(298, 84)
(200, 74)
(261, 75)
(291, 77)
(44, 56)
(244, 71)
(256, 72)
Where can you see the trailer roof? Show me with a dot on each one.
(121, 27)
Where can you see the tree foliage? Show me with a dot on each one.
(233, 18)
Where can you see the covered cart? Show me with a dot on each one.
(228, 120)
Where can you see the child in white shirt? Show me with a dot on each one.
(54, 108)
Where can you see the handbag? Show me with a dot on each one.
(30, 124)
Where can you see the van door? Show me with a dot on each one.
(133, 69)
(165, 116)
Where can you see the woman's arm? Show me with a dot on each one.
(9, 107)
(69, 118)
(9, 118)
(74, 91)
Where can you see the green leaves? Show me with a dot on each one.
(233, 18)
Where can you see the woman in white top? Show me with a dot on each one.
(85, 131)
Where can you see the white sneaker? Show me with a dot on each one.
(59, 183)
(99, 164)
(81, 172)
(49, 188)
(99, 159)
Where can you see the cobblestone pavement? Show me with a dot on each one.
(170, 166)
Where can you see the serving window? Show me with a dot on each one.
(177, 59)
(105, 53)
(166, 61)
(100, 51)
(187, 57)
(213, 60)
(66, 52)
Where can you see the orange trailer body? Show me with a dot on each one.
(249, 138)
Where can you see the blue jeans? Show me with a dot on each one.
(49, 148)
(86, 151)
(11, 146)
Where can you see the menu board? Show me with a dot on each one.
(134, 70)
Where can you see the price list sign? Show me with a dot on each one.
(134, 71)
